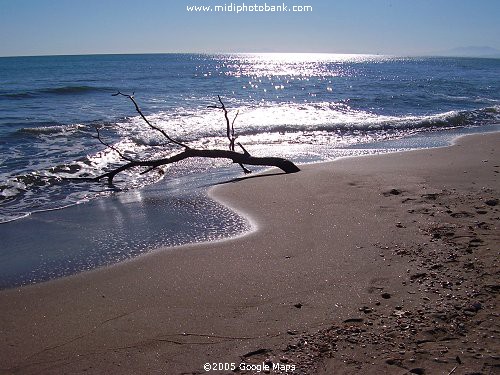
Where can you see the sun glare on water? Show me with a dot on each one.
(292, 64)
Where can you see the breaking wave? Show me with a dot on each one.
(53, 129)
(296, 118)
(336, 120)
(68, 150)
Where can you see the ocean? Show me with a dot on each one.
(306, 107)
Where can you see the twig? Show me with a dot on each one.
(232, 126)
(131, 97)
(98, 137)
(231, 141)
(243, 148)
(230, 130)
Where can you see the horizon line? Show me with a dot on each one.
(435, 54)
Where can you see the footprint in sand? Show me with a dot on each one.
(461, 214)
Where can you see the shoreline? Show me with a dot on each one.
(119, 243)
(323, 257)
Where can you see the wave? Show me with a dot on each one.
(192, 125)
(65, 90)
(473, 99)
(205, 127)
(17, 95)
(325, 116)
(60, 90)
(335, 120)
(53, 129)
(482, 116)
(67, 150)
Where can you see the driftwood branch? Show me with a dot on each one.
(285, 165)
(242, 159)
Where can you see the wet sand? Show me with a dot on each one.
(364, 265)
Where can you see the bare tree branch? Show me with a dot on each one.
(285, 165)
(240, 158)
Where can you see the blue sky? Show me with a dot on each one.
(46, 27)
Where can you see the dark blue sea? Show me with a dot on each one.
(306, 107)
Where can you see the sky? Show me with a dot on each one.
(397, 27)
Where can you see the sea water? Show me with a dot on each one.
(306, 107)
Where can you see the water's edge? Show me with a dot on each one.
(169, 214)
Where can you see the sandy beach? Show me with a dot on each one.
(380, 264)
